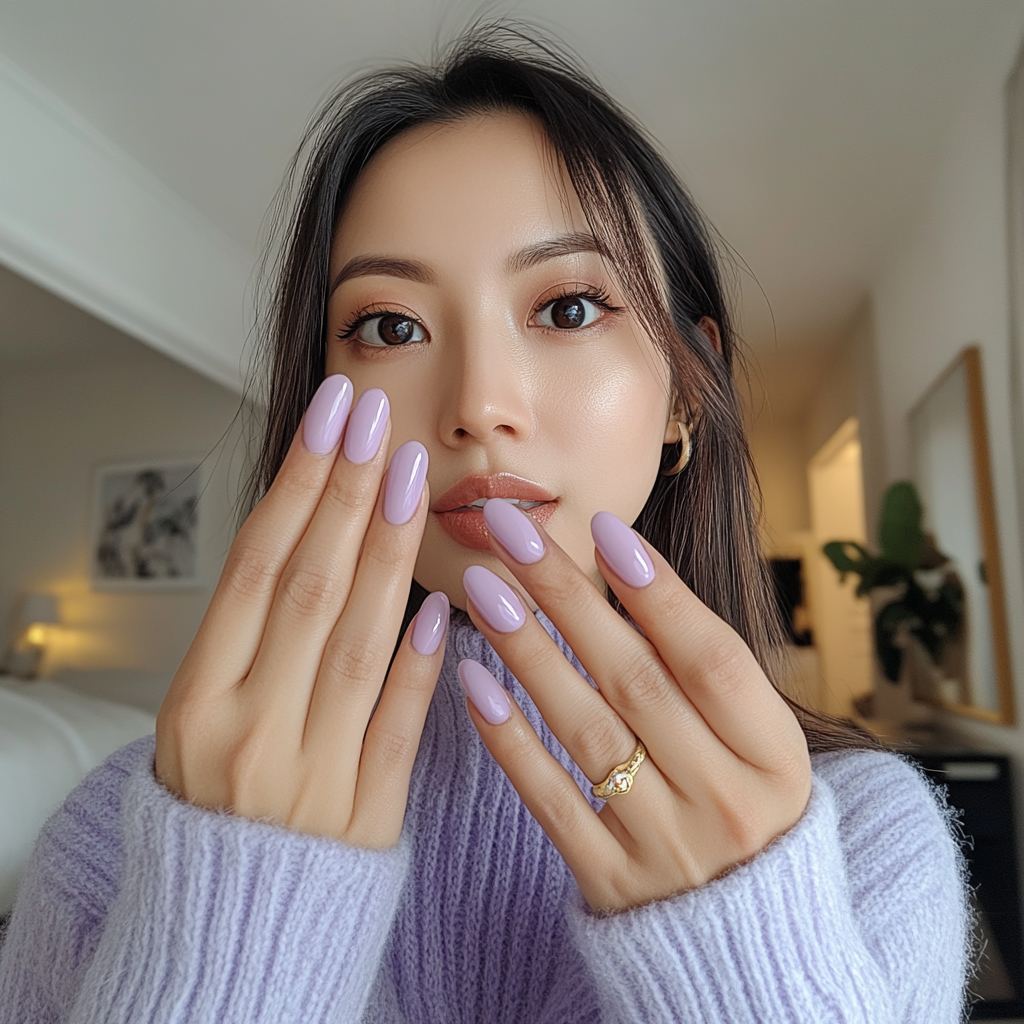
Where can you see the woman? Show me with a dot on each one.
(603, 811)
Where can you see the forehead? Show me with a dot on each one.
(489, 181)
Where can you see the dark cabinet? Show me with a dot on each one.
(981, 786)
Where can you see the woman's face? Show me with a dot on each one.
(466, 286)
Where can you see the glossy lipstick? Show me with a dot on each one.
(466, 526)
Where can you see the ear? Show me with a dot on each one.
(680, 418)
(711, 332)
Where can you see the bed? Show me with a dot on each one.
(51, 736)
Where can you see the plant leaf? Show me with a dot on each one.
(835, 551)
(899, 531)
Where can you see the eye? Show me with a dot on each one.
(390, 329)
(569, 312)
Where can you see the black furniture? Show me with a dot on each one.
(981, 786)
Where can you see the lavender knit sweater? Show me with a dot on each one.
(141, 907)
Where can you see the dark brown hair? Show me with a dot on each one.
(703, 520)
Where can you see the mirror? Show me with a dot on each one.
(951, 466)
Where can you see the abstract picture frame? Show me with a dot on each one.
(146, 521)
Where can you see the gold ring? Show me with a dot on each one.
(620, 778)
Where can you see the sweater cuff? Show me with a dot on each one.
(774, 939)
(224, 919)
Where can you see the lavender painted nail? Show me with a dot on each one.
(366, 426)
(485, 692)
(621, 549)
(494, 598)
(327, 413)
(514, 530)
(431, 622)
(406, 476)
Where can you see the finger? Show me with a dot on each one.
(713, 666)
(315, 583)
(393, 737)
(633, 680)
(229, 636)
(549, 792)
(593, 734)
(355, 657)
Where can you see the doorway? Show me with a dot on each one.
(842, 621)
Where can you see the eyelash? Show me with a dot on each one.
(599, 298)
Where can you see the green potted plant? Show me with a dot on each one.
(928, 605)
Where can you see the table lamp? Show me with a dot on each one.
(25, 656)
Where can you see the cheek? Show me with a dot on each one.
(611, 425)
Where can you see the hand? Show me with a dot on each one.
(267, 714)
(727, 766)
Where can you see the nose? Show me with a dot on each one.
(488, 380)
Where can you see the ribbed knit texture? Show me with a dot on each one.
(140, 907)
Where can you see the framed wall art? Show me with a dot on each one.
(145, 526)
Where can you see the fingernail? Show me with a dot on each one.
(406, 476)
(431, 622)
(621, 549)
(485, 692)
(495, 599)
(366, 426)
(514, 529)
(326, 415)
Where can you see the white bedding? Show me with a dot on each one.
(50, 738)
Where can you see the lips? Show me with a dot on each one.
(464, 522)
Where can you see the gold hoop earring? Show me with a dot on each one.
(684, 457)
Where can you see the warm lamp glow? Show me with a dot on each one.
(37, 614)
(36, 634)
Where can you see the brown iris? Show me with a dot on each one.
(395, 329)
(568, 312)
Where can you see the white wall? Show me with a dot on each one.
(845, 385)
(946, 286)
(779, 452)
(56, 426)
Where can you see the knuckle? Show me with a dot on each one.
(743, 831)
(725, 667)
(305, 590)
(307, 811)
(393, 747)
(178, 722)
(349, 497)
(387, 557)
(743, 824)
(350, 658)
(791, 760)
(563, 807)
(250, 572)
(560, 589)
(413, 686)
(242, 765)
(295, 486)
(535, 661)
(641, 686)
(602, 742)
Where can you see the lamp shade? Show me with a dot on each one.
(39, 608)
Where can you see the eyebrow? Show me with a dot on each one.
(553, 248)
(412, 270)
(383, 266)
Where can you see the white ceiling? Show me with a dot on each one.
(805, 128)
